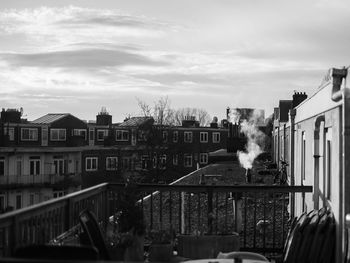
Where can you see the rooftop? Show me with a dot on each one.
(50, 118)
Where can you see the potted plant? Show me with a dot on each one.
(162, 245)
(129, 227)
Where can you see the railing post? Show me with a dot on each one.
(67, 216)
(13, 236)
(107, 211)
(210, 210)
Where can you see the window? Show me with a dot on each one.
(163, 161)
(203, 136)
(141, 136)
(2, 166)
(2, 203)
(175, 136)
(165, 136)
(102, 134)
(10, 132)
(31, 199)
(58, 166)
(112, 163)
(91, 164)
(144, 161)
(91, 134)
(57, 134)
(155, 161)
(203, 158)
(216, 137)
(29, 134)
(175, 159)
(34, 165)
(188, 160)
(19, 166)
(80, 132)
(127, 163)
(122, 135)
(188, 137)
(18, 201)
(57, 194)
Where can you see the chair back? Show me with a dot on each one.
(93, 233)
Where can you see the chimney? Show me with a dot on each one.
(214, 123)
(190, 121)
(11, 115)
(103, 118)
(228, 113)
(298, 97)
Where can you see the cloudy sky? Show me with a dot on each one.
(77, 56)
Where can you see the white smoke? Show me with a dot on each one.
(234, 116)
(255, 143)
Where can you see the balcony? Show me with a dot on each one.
(189, 209)
(40, 180)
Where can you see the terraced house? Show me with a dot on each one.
(57, 154)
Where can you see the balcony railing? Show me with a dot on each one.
(38, 179)
(261, 217)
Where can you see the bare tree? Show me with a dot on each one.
(144, 107)
(201, 115)
(163, 114)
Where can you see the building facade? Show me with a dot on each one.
(315, 141)
(57, 154)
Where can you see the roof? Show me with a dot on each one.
(136, 121)
(50, 118)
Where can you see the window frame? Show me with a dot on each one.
(108, 167)
(186, 139)
(105, 134)
(10, 131)
(206, 137)
(165, 136)
(188, 157)
(206, 158)
(32, 134)
(175, 159)
(58, 130)
(36, 166)
(2, 160)
(175, 136)
(216, 136)
(77, 132)
(91, 159)
(122, 132)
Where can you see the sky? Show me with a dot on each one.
(78, 56)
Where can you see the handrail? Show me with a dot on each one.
(222, 188)
(166, 204)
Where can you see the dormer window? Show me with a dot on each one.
(58, 134)
(122, 135)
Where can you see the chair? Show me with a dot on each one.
(311, 239)
(63, 252)
(92, 233)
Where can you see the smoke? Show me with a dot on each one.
(256, 140)
(234, 116)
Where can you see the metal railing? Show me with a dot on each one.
(260, 214)
(38, 179)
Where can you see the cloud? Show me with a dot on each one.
(82, 58)
(52, 26)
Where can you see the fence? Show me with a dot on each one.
(259, 213)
